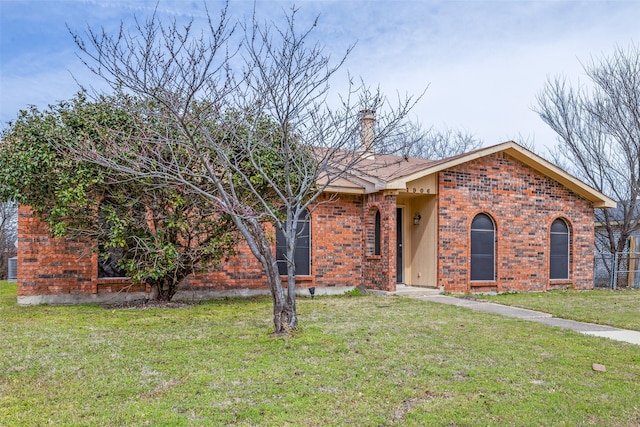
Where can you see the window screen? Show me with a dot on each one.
(376, 234)
(303, 249)
(559, 250)
(482, 248)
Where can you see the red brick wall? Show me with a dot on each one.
(49, 266)
(46, 265)
(336, 251)
(241, 270)
(380, 270)
(337, 241)
(523, 203)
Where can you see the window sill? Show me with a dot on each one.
(560, 283)
(113, 279)
(373, 257)
(306, 278)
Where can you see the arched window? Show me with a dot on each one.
(559, 250)
(376, 233)
(303, 248)
(483, 253)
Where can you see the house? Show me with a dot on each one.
(496, 219)
(616, 220)
(620, 269)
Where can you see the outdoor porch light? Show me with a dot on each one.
(312, 291)
(416, 218)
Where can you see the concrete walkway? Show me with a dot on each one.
(433, 295)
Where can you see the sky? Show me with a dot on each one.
(482, 63)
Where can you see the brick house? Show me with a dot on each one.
(622, 269)
(496, 219)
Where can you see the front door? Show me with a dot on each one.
(399, 244)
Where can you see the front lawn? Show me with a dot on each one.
(358, 361)
(619, 308)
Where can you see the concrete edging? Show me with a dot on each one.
(182, 295)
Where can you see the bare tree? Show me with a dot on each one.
(8, 234)
(263, 143)
(435, 144)
(598, 129)
(528, 142)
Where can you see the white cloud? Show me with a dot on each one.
(484, 61)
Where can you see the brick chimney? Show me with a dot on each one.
(367, 129)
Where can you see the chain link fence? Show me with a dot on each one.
(618, 270)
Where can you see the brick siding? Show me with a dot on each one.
(336, 252)
(380, 270)
(523, 203)
(49, 266)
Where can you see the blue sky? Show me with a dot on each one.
(482, 61)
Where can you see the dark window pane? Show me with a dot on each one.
(281, 252)
(559, 250)
(482, 242)
(376, 236)
(303, 249)
(559, 226)
(482, 222)
(482, 248)
(302, 259)
(108, 258)
(482, 267)
(108, 263)
(559, 267)
(559, 245)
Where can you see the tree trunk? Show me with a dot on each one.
(283, 311)
(165, 288)
(260, 245)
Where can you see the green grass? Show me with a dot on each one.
(605, 307)
(367, 361)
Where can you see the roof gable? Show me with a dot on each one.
(385, 172)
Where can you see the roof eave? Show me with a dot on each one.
(343, 190)
(607, 204)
